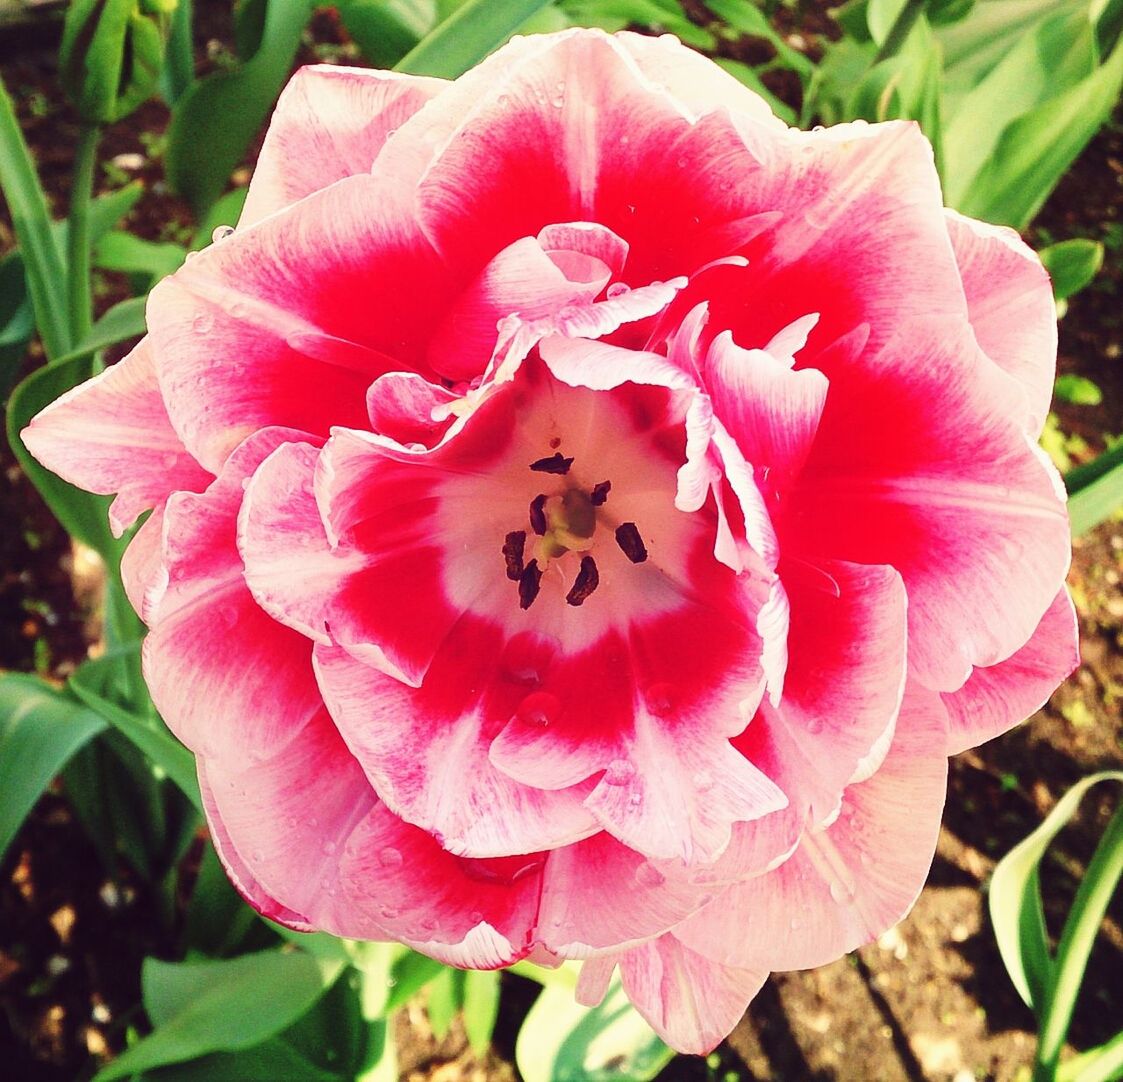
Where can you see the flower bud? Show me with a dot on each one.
(112, 52)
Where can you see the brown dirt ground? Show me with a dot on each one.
(929, 1000)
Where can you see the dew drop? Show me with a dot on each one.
(539, 708)
(221, 233)
(475, 916)
(258, 856)
(619, 772)
(660, 699)
(292, 821)
(681, 163)
(647, 875)
(703, 781)
(389, 857)
(203, 323)
(814, 726)
(617, 289)
(526, 658)
(229, 616)
(635, 800)
(389, 912)
(329, 847)
(169, 460)
(841, 892)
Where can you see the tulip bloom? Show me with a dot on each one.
(586, 514)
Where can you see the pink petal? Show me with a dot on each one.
(112, 434)
(528, 279)
(600, 895)
(208, 633)
(692, 1002)
(965, 508)
(143, 573)
(330, 122)
(848, 881)
(996, 698)
(1011, 308)
(425, 749)
(771, 411)
(401, 405)
(860, 238)
(845, 678)
(289, 322)
(305, 835)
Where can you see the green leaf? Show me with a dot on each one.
(1095, 490)
(123, 321)
(613, 15)
(443, 1003)
(1015, 900)
(1072, 264)
(17, 320)
(120, 251)
(481, 1007)
(217, 918)
(1056, 56)
(1036, 149)
(561, 1041)
(747, 75)
(1077, 390)
(46, 273)
(467, 36)
(385, 30)
(40, 729)
(83, 515)
(274, 1059)
(217, 1006)
(410, 973)
(217, 117)
(149, 736)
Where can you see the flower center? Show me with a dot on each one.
(564, 522)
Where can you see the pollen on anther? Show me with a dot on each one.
(600, 493)
(538, 514)
(555, 463)
(630, 542)
(530, 582)
(588, 579)
(513, 546)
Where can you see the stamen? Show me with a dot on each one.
(588, 579)
(538, 514)
(630, 542)
(600, 493)
(530, 582)
(513, 547)
(555, 463)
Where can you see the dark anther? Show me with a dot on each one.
(600, 493)
(586, 582)
(538, 514)
(530, 582)
(513, 547)
(630, 542)
(555, 463)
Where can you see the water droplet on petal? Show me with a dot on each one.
(526, 658)
(841, 892)
(619, 772)
(389, 857)
(329, 847)
(389, 912)
(660, 699)
(617, 289)
(169, 460)
(647, 875)
(203, 323)
(814, 725)
(635, 800)
(475, 916)
(539, 708)
(703, 781)
(221, 233)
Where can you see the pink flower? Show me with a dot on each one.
(586, 532)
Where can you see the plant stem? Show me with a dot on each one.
(1081, 927)
(900, 29)
(78, 239)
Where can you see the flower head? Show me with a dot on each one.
(586, 515)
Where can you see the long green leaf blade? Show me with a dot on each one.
(467, 36)
(40, 729)
(46, 274)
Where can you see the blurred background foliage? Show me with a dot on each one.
(1010, 92)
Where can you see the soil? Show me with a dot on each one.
(929, 1000)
